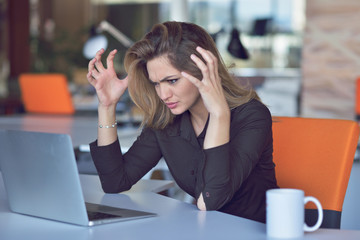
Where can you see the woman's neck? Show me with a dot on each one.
(199, 116)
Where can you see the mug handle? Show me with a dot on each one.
(320, 214)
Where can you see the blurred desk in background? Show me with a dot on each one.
(279, 89)
(82, 129)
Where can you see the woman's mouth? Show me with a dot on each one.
(171, 105)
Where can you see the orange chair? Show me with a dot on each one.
(46, 93)
(316, 155)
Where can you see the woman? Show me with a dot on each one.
(215, 136)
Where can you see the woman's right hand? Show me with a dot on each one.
(109, 88)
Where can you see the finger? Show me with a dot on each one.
(91, 69)
(207, 52)
(192, 79)
(95, 74)
(211, 62)
(98, 64)
(201, 65)
(110, 59)
(90, 79)
(208, 56)
(91, 65)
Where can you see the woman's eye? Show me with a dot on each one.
(172, 81)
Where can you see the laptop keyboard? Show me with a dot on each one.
(99, 215)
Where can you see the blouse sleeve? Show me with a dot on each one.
(226, 167)
(118, 171)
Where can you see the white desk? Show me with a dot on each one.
(175, 220)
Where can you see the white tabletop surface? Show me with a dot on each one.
(175, 220)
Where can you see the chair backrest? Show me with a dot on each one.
(316, 155)
(46, 93)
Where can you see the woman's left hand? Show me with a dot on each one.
(212, 93)
(210, 86)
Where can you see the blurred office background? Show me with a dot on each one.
(303, 57)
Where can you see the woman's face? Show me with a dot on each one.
(178, 93)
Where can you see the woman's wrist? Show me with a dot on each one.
(106, 115)
(218, 131)
(223, 115)
(107, 108)
(107, 126)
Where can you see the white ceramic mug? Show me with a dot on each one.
(285, 213)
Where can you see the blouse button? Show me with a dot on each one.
(207, 194)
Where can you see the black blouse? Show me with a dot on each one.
(233, 177)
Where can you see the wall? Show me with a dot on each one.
(331, 58)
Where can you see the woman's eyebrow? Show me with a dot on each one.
(166, 78)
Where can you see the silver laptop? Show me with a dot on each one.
(41, 179)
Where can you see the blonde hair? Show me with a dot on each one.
(177, 41)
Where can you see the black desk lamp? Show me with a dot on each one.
(235, 47)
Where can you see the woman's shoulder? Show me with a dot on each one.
(250, 106)
(253, 109)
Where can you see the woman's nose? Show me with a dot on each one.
(164, 92)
